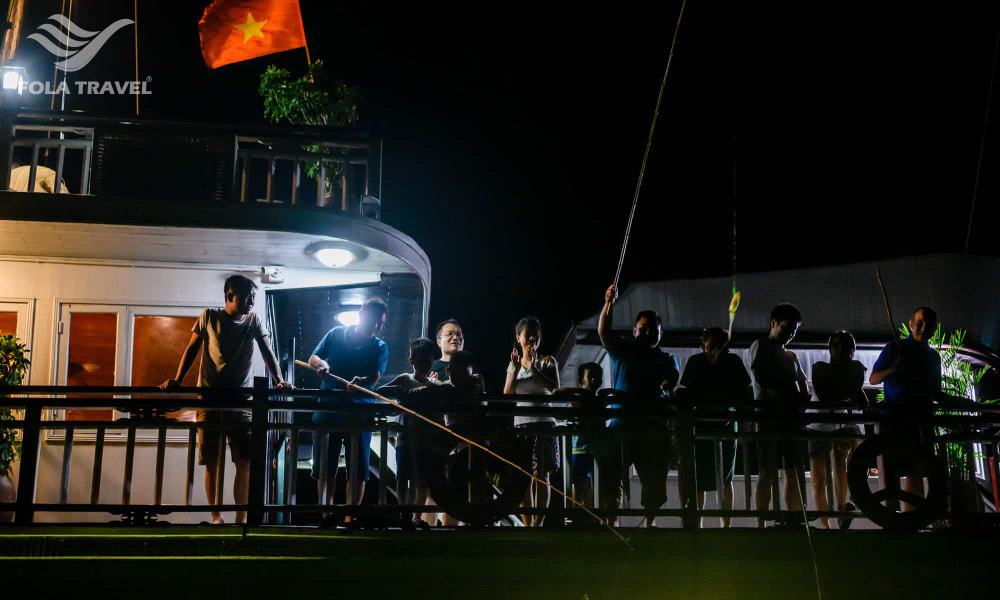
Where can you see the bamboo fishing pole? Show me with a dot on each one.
(649, 143)
(467, 441)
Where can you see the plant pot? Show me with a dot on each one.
(7, 494)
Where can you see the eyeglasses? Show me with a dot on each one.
(452, 334)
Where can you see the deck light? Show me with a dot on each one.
(348, 317)
(12, 79)
(334, 257)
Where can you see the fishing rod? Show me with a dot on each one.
(649, 143)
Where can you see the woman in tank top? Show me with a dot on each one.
(529, 373)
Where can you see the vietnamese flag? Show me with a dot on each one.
(235, 30)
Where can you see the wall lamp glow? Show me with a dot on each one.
(336, 254)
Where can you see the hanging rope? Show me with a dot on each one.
(982, 142)
(649, 143)
(471, 443)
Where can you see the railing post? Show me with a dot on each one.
(7, 119)
(24, 514)
(685, 467)
(258, 453)
(373, 185)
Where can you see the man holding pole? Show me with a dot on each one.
(356, 354)
(640, 367)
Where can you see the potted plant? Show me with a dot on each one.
(13, 366)
(312, 100)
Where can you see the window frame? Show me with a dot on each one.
(25, 309)
(123, 361)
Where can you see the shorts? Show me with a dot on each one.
(920, 439)
(209, 440)
(583, 467)
(342, 441)
(705, 453)
(821, 448)
(786, 450)
(407, 465)
(545, 455)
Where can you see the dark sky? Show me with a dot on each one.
(514, 134)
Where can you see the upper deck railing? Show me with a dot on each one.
(192, 163)
(478, 489)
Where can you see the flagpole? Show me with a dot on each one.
(135, 6)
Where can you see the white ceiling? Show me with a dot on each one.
(177, 245)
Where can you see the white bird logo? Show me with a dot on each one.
(74, 45)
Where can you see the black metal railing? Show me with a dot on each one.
(476, 488)
(195, 162)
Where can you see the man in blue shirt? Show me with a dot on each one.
(911, 372)
(910, 368)
(640, 367)
(354, 353)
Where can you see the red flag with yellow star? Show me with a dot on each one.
(235, 30)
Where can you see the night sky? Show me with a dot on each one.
(514, 134)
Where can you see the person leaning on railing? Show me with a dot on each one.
(779, 387)
(715, 377)
(641, 368)
(225, 338)
(411, 485)
(463, 387)
(836, 382)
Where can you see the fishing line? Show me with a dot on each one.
(805, 521)
(982, 142)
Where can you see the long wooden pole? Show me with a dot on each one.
(649, 143)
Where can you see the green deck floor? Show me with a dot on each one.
(215, 563)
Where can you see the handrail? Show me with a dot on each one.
(642, 416)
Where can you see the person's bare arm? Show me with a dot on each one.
(671, 374)
(271, 364)
(187, 359)
(321, 366)
(877, 377)
(609, 339)
(510, 384)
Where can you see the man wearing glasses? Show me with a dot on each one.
(451, 340)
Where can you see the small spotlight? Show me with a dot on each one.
(12, 79)
(335, 257)
(348, 317)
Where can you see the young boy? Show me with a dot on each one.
(225, 337)
(778, 385)
(838, 381)
(463, 386)
(586, 448)
(411, 487)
